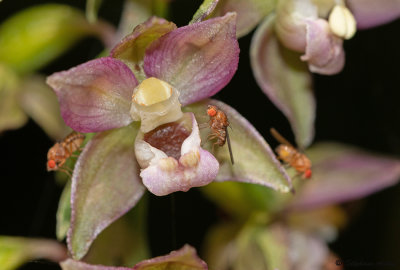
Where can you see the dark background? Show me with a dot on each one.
(359, 106)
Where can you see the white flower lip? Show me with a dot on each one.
(155, 102)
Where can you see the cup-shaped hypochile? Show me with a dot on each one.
(155, 102)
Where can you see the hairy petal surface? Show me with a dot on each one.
(182, 259)
(342, 173)
(95, 96)
(198, 59)
(132, 48)
(370, 13)
(249, 12)
(285, 80)
(195, 167)
(255, 162)
(105, 185)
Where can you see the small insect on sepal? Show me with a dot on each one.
(61, 151)
(218, 124)
(291, 156)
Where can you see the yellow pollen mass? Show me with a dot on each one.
(151, 91)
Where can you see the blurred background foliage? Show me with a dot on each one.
(359, 106)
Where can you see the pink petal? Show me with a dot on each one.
(199, 59)
(96, 95)
(161, 181)
(370, 13)
(342, 173)
(324, 51)
(105, 185)
(285, 80)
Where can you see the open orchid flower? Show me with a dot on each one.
(148, 76)
(295, 37)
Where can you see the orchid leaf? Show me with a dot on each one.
(182, 259)
(128, 238)
(249, 13)
(198, 59)
(11, 114)
(64, 212)
(39, 101)
(285, 80)
(342, 173)
(105, 185)
(255, 161)
(14, 251)
(204, 10)
(37, 35)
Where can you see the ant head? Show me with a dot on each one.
(51, 165)
(307, 174)
(211, 110)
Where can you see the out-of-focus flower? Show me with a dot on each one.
(147, 77)
(274, 231)
(298, 36)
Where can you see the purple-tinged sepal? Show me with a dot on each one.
(95, 96)
(255, 162)
(132, 48)
(172, 159)
(198, 59)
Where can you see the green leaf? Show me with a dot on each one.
(37, 35)
(255, 162)
(14, 251)
(11, 114)
(105, 185)
(285, 79)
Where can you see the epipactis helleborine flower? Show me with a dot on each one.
(174, 66)
(148, 76)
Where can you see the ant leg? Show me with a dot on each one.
(67, 172)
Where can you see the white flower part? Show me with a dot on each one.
(342, 22)
(155, 102)
(163, 175)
